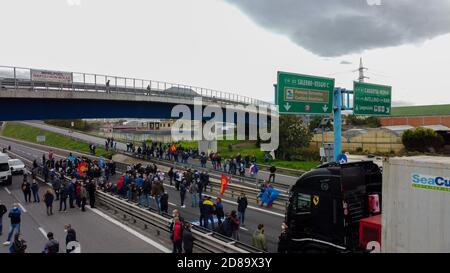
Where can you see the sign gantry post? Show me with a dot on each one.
(337, 123)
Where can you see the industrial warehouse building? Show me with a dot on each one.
(388, 138)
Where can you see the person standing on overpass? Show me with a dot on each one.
(272, 170)
(107, 87)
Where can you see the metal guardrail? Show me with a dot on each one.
(238, 178)
(207, 240)
(285, 170)
(18, 77)
(233, 189)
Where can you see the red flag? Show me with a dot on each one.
(173, 148)
(223, 183)
(82, 167)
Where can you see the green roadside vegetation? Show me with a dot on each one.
(443, 109)
(230, 148)
(29, 133)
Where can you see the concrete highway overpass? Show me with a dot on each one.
(31, 94)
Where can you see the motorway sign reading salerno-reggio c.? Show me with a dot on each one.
(371, 99)
(304, 94)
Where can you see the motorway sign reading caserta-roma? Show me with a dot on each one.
(371, 99)
(304, 94)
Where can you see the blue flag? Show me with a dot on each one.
(269, 195)
(71, 158)
(101, 162)
(273, 194)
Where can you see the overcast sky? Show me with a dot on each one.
(237, 45)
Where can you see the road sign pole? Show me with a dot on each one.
(337, 123)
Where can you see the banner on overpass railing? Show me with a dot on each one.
(51, 76)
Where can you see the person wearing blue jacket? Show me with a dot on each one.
(71, 193)
(14, 215)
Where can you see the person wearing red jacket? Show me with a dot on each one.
(177, 235)
(119, 184)
(235, 224)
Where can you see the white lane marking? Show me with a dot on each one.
(232, 202)
(172, 204)
(6, 189)
(22, 207)
(43, 232)
(243, 228)
(132, 231)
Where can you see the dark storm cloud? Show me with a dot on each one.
(337, 27)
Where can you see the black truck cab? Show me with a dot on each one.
(327, 203)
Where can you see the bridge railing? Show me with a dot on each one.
(18, 77)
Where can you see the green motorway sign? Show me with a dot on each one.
(303, 94)
(371, 99)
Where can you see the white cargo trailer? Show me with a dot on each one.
(416, 204)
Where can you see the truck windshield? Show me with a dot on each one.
(4, 167)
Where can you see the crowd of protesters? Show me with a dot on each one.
(76, 179)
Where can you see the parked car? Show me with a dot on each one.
(5, 171)
(16, 166)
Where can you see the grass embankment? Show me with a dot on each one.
(250, 148)
(29, 133)
(244, 148)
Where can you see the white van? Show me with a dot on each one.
(5, 171)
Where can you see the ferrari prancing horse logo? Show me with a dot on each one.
(316, 200)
